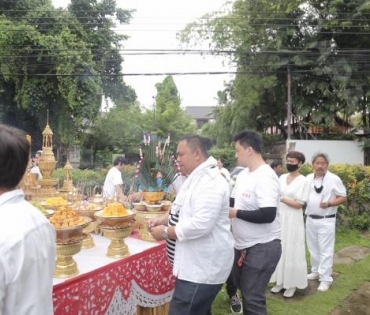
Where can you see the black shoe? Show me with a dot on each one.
(235, 304)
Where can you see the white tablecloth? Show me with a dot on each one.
(95, 257)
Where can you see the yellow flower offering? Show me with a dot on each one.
(55, 201)
(114, 209)
(65, 216)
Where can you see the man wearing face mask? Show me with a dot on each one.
(291, 271)
(323, 192)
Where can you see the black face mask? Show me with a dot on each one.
(318, 189)
(291, 167)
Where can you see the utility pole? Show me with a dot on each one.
(289, 104)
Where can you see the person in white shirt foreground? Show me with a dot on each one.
(27, 239)
(254, 223)
(323, 192)
(197, 229)
(291, 271)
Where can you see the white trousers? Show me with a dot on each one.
(320, 237)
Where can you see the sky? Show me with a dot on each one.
(154, 26)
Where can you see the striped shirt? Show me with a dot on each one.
(173, 220)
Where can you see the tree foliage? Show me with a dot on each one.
(64, 60)
(169, 117)
(324, 45)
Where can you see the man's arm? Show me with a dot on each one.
(262, 215)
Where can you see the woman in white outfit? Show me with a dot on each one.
(291, 271)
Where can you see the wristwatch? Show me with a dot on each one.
(165, 232)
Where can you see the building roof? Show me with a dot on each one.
(200, 112)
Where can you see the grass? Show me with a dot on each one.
(350, 277)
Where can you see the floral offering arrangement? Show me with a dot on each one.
(65, 217)
(114, 209)
(157, 167)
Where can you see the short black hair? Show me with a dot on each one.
(119, 160)
(14, 156)
(296, 155)
(194, 142)
(275, 163)
(249, 138)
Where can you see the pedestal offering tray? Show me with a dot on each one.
(116, 228)
(69, 228)
(88, 209)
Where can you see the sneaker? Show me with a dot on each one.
(277, 288)
(288, 293)
(235, 304)
(323, 287)
(313, 276)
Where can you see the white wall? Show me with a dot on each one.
(339, 151)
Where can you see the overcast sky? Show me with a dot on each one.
(154, 26)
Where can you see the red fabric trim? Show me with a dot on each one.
(92, 292)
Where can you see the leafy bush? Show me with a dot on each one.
(355, 213)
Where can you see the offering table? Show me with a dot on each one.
(139, 284)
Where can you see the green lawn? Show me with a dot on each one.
(350, 277)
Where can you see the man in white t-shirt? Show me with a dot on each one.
(27, 239)
(35, 168)
(113, 181)
(254, 223)
(323, 192)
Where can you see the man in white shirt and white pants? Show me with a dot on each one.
(323, 192)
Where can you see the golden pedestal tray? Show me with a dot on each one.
(116, 229)
(142, 217)
(68, 243)
(117, 247)
(65, 265)
(88, 242)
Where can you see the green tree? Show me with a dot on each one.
(169, 117)
(323, 44)
(62, 60)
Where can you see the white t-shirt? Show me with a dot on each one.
(36, 170)
(113, 178)
(27, 257)
(255, 190)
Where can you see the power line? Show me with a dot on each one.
(263, 73)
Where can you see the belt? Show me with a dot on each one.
(314, 216)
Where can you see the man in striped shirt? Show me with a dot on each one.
(197, 227)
